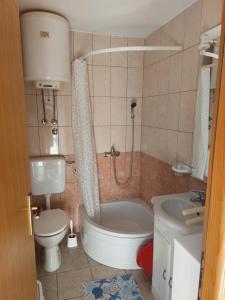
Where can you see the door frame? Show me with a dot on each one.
(213, 281)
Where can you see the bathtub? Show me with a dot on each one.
(125, 225)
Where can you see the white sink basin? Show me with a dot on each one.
(169, 210)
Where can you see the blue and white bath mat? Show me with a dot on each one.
(122, 287)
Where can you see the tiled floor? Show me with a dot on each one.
(76, 268)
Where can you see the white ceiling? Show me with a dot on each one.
(131, 18)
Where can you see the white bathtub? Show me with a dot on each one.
(125, 225)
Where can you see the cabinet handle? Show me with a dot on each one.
(170, 283)
(164, 274)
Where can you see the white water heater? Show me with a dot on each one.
(46, 52)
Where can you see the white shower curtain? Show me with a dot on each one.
(201, 131)
(83, 139)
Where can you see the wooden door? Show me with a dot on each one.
(17, 256)
(213, 285)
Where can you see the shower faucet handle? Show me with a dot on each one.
(112, 153)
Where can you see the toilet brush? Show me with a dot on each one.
(72, 237)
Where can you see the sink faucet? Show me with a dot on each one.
(199, 198)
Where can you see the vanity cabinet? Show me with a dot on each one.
(161, 281)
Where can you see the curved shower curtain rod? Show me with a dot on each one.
(133, 48)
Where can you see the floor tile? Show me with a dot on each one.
(92, 262)
(49, 284)
(70, 284)
(101, 271)
(73, 259)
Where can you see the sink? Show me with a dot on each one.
(168, 209)
(174, 207)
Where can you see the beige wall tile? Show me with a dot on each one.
(137, 111)
(175, 72)
(32, 114)
(171, 147)
(101, 79)
(48, 99)
(118, 111)
(135, 59)
(49, 143)
(144, 138)
(184, 148)
(118, 137)
(83, 44)
(156, 143)
(164, 72)
(102, 138)
(66, 89)
(101, 111)
(177, 29)
(118, 59)
(193, 24)
(211, 13)
(137, 138)
(159, 111)
(64, 110)
(33, 141)
(118, 81)
(134, 82)
(101, 42)
(190, 69)
(147, 111)
(187, 111)
(65, 140)
(173, 109)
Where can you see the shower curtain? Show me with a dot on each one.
(83, 139)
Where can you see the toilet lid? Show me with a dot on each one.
(50, 222)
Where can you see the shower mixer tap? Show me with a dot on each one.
(112, 153)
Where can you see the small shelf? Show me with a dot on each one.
(182, 169)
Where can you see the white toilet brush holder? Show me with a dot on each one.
(72, 237)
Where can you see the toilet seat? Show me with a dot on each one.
(50, 222)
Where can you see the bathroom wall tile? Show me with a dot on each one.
(71, 176)
(118, 59)
(171, 147)
(48, 100)
(193, 24)
(184, 148)
(104, 190)
(118, 111)
(177, 29)
(157, 144)
(83, 44)
(137, 111)
(32, 115)
(154, 79)
(164, 73)
(190, 69)
(144, 138)
(147, 112)
(135, 82)
(65, 140)
(101, 111)
(103, 164)
(147, 81)
(118, 137)
(102, 138)
(175, 72)
(101, 79)
(64, 110)
(135, 59)
(49, 143)
(159, 111)
(173, 109)
(165, 39)
(118, 81)
(33, 141)
(211, 13)
(29, 88)
(70, 284)
(66, 89)
(90, 80)
(137, 138)
(187, 111)
(101, 42)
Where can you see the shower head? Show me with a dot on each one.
(132, 106)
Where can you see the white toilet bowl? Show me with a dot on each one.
(50, 229)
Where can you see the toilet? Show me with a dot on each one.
(47, 177)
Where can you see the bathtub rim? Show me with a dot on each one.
(107, 231)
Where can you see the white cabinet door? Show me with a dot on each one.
(161, 267)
